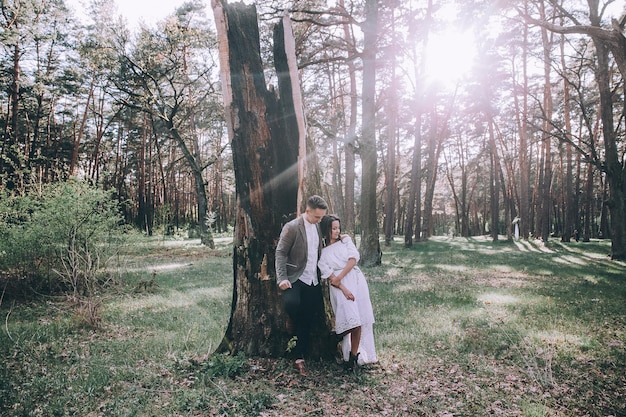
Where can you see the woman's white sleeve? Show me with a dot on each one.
(353, 252)
(324, 267)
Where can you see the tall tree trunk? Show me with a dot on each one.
(348, 223)
(509, 190)
(390, 185)
(370, 239)
(265, 154)
(390, 172)
(427, 215)
(414, 212)
(435, 142)
(506, 203)
(494, 183)
(78, 136)
(615, 171)
(142, 181)
(524, 164)
(464, 220)
(10, 160)
(193, 161)
(537, 191)
(336, 202)
(458, 196)
(604, 230)
(588, 203)
(569, 205)
(390, 181)
(350, 180)
(577, 192)
(545, 203)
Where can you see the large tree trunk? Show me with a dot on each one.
(370, 239)
(78, 136)
(195, 165)
(414, 213)
(143, 195)
(390, 175)
(435, 142)
(348, 222)
(414, 210)
(10, 165)
(614, 169)
(524, 164)
(265, 155)
(569, 203)
(494, 183)
(390, 172)
(546, 195)
(459, 196)
(588, 203)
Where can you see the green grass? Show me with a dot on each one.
(60, 367)
(465, 327)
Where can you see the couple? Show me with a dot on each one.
(311, 247)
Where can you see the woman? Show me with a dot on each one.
(349, 294)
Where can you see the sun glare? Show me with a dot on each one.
(449, 57)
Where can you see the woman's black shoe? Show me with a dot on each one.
(353, 363)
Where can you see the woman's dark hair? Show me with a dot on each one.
(326, 225)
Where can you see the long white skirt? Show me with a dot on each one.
(350, 314)
(367, 350)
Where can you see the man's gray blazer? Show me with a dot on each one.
(292, 249)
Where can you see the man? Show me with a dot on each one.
(297, 252)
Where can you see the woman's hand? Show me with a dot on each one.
(335, 280)
(347, 293)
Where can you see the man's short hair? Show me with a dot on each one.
(316, 202)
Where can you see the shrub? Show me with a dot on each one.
(58, 237)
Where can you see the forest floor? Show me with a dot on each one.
(464, 327)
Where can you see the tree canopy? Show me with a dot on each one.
(445, 117)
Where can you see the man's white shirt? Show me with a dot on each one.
(309, 276)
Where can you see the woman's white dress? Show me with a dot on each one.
(350, 314)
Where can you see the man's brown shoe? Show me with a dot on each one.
(299, 365)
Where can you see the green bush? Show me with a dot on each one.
(58, 237)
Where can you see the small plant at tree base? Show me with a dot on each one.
(225, 365)
(291, 344)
